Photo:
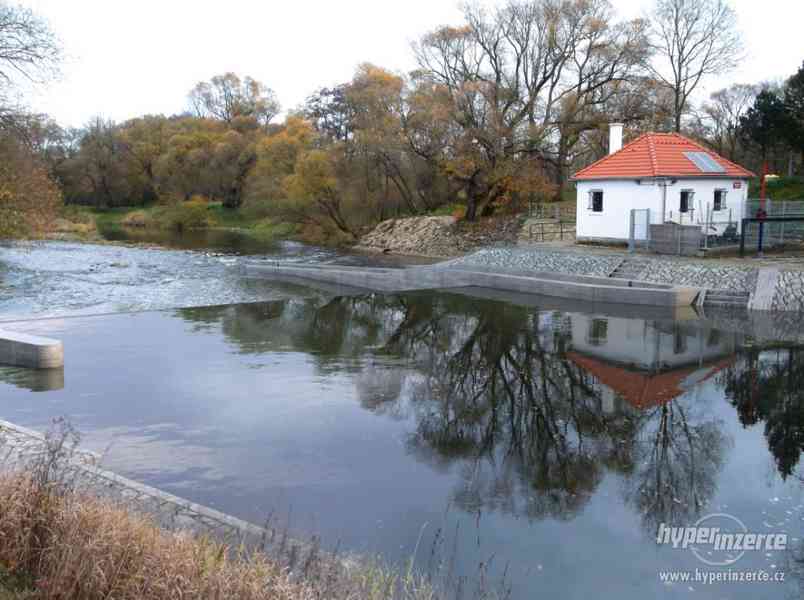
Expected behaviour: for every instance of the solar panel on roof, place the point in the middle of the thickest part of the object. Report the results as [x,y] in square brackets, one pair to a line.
[704,162]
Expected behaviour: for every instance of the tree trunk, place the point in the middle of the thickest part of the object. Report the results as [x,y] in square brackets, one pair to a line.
[677,105]
[471,208]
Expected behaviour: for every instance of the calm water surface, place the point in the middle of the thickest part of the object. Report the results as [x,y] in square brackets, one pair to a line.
[544,442]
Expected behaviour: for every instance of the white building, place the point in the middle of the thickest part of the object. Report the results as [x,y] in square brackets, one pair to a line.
[668,179]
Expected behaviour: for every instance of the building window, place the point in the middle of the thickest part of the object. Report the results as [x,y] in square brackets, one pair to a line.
[720,200]
[598,332]
[686,201]
[596,201]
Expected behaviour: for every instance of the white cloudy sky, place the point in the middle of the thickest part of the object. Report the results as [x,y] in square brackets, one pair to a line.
[127,58]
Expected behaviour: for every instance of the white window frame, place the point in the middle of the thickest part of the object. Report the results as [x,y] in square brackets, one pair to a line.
[590,206]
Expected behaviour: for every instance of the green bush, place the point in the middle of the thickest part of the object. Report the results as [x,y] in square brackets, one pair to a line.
[185,216]
[779,188]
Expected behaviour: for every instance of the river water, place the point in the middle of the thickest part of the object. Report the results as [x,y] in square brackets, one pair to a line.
[513,439]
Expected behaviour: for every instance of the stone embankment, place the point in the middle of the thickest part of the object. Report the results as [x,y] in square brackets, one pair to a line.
[540,261]
[447,238]
[779,289]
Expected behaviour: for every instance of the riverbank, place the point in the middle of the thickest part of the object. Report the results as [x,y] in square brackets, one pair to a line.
[71,529]
[79,223]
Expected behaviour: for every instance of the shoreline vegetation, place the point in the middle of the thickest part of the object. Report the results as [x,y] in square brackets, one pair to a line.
[441,233]
[61,538]
[81,223]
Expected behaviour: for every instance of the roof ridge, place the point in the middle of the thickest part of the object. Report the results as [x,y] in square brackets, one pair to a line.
[658,154]
[612,154]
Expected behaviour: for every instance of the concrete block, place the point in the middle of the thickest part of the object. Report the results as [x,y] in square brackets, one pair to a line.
[765,290]
[22,350]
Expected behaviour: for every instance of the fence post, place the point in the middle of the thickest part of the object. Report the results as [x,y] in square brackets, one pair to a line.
[648,245]
[631,243]
[781,225]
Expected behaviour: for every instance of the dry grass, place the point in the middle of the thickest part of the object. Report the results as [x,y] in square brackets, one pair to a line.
[61,543]
[77,546]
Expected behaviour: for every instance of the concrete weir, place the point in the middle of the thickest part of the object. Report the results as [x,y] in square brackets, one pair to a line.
[591,289]
[22,350]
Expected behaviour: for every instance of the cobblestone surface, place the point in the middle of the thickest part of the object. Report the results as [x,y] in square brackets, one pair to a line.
[699,275]
[541,260]
[578,262]
[789,291]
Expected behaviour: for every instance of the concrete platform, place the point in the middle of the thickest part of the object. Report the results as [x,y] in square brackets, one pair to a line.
[589,289]
[22,350]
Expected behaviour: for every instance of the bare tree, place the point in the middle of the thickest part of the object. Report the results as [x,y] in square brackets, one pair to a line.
[522,82]
[28,47]
[692,39]
[722,116]
[227,97]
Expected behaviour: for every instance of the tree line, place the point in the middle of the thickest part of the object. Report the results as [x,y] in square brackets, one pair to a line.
[501,109]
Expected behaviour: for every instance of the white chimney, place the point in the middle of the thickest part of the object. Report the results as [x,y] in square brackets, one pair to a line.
[615,137]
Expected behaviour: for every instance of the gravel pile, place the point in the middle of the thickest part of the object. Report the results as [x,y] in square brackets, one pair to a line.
[427,236]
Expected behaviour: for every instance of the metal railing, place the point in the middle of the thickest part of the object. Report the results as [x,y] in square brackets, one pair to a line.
[771,231]
[542,210]
[541,231]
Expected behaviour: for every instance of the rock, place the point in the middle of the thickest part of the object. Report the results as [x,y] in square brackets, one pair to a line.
[440,236]
[430,236]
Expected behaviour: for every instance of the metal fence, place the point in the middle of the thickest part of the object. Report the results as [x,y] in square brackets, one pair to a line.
[639,229]
[541,210]
[776,233]
[551,231]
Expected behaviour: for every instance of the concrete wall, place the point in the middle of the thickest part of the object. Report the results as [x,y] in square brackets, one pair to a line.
[591,289]
[672,238]
[21,350]
[622,195]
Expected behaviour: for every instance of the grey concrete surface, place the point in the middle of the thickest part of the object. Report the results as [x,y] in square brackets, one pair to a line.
[22,350]
[591,289]
[765,290]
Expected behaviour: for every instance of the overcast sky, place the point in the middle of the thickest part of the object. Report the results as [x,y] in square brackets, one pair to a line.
[128,58]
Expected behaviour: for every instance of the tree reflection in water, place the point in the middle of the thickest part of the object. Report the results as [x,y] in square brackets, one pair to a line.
[769,386]
[533,408]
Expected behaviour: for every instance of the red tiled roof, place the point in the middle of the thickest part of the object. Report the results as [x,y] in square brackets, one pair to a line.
[640,389]
[657,155]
